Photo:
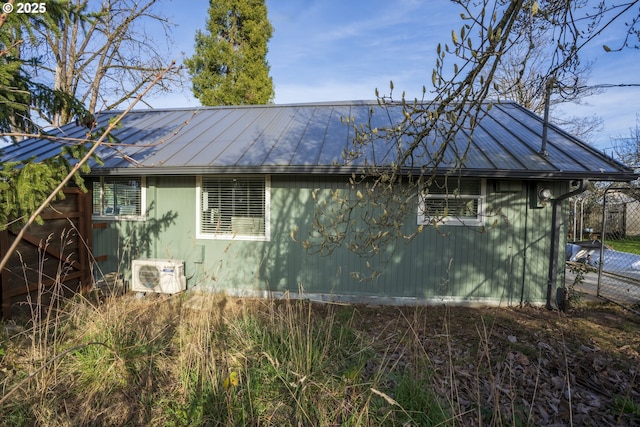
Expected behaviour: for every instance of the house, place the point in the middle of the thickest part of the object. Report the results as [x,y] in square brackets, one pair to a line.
[223,188]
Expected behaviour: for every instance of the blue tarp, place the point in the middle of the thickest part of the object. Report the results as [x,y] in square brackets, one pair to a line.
[617,262]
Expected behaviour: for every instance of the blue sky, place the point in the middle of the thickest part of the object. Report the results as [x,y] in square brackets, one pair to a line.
[331,50]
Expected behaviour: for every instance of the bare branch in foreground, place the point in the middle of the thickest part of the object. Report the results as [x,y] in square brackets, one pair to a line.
[77,167]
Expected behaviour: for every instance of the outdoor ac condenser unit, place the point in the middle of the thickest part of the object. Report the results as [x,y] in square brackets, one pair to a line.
[158,275]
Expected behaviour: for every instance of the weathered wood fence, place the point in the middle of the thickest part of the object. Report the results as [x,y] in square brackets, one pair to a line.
[52,260]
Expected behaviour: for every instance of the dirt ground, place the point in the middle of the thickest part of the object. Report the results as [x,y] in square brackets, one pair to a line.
[522,366]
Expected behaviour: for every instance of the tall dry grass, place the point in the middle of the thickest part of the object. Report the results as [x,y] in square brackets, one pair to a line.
[202,359]
[205,359]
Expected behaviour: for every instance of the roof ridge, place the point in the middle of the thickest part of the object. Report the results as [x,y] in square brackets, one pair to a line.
[289,105]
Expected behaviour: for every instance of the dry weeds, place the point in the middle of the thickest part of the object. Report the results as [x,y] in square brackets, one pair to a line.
[487,366]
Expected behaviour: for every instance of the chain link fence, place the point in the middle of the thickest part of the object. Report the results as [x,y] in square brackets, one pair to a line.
[605,245]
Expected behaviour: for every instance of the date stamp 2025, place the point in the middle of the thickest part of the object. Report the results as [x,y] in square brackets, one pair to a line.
[26,8]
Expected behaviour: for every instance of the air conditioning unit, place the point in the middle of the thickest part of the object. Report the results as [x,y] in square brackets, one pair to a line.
[158,275]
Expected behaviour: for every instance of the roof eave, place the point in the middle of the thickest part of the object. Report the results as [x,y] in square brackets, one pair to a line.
[621,176]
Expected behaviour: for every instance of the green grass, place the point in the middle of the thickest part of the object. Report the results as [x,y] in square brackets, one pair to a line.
[627,405]
[630,244]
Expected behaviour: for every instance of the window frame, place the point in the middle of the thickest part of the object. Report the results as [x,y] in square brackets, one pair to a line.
[142,200]
[206,235]
[476,221]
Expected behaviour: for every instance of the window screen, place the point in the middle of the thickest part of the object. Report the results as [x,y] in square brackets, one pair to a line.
[117,196]
[454,201]
[233,206]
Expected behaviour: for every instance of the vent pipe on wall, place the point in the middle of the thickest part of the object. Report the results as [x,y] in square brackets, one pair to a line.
[545,123]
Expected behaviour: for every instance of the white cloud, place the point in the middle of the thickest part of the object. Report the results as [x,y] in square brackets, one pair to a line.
[332,50]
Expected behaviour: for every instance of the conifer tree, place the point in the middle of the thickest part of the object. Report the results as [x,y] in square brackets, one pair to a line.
[21,97]
[24,184]
[229,66]
[26,103]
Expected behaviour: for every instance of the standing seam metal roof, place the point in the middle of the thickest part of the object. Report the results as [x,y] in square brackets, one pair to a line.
[310,138]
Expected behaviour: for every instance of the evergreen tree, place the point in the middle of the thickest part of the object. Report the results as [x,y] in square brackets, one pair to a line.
[25,184]
[229,66]
[24,101]
[13,92]
[74,36]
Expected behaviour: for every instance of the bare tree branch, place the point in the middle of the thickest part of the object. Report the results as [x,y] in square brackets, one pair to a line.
[424,150]
[103,57]
[76,168]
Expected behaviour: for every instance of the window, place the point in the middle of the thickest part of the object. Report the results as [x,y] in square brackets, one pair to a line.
[452,201]
[233,207]
[119,197]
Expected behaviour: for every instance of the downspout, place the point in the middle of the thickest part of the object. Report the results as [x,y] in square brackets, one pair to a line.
[556,220]
[582,218]
[526,242]
[575,219]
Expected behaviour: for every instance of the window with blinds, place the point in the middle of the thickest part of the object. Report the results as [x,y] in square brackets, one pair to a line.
[118,197]
[233,207]
[452,201]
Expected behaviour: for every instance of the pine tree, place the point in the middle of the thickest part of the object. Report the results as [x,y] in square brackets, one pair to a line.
[23,100]
[14,91]
[229,66]
[25,184]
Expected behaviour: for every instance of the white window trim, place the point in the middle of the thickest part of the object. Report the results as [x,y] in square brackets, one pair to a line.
[477,221]
[143,204]
[212,236]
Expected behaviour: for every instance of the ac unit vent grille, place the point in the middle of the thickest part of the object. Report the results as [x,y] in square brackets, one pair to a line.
[149,276]
[158,275]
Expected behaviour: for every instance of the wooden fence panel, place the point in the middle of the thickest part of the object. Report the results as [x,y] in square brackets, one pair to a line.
[52,260]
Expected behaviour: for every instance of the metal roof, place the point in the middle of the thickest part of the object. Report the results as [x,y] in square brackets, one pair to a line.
[310,138]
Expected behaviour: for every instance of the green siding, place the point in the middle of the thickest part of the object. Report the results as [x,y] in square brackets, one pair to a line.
[506,263]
